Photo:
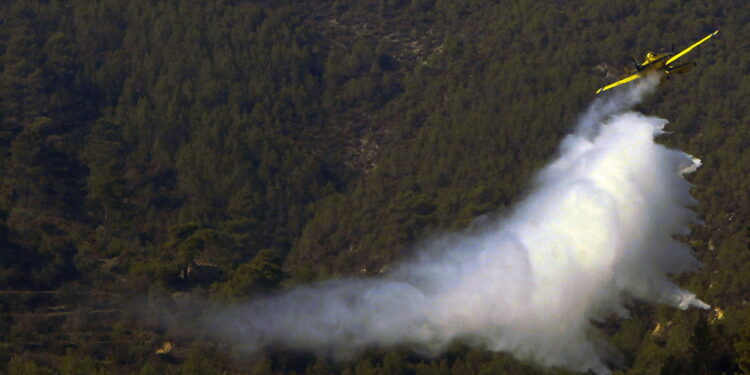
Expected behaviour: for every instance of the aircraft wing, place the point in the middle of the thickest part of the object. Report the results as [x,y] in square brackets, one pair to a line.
[620,82]
[686,50]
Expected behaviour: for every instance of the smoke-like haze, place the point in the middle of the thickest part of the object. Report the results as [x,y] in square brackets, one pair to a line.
[595,231]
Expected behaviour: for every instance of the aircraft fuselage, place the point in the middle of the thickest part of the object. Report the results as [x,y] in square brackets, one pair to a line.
[655,61]
[658,63]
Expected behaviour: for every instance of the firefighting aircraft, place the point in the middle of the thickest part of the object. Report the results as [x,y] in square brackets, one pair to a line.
[659,62]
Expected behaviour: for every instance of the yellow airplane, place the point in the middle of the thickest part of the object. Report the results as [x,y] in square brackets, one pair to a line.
[659,62]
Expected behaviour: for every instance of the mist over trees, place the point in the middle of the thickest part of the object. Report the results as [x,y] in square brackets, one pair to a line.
[174,151]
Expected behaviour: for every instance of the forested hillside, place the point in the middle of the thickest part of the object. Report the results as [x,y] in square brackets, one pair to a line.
[155,154]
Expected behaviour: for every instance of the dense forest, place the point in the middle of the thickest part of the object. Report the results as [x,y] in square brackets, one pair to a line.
[155,154]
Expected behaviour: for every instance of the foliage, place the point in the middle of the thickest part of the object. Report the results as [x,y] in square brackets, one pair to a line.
[223,149]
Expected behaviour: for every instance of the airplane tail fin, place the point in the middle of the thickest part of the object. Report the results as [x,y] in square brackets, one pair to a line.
[680,68]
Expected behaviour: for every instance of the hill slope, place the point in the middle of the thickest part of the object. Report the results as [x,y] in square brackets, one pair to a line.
[225,148]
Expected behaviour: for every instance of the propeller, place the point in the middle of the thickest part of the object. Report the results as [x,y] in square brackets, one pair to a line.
[637,67]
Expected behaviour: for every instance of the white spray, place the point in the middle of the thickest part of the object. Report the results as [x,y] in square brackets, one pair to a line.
[595,231]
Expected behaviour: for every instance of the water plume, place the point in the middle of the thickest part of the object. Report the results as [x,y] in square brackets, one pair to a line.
[595,231]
